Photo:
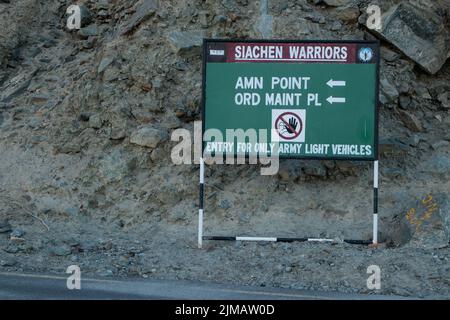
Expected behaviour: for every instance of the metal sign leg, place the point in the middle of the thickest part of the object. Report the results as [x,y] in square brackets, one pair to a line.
[375,202]
[233,238]
[200,211]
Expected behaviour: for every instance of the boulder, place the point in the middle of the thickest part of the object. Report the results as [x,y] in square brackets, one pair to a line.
[88,31]
[61,250]
[417,30]
[428,220]
[186,42]
[85,15]
[444,99]
[410,121]
[147,137]
[106,61]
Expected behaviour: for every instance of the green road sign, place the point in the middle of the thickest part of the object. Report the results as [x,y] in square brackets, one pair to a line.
[297,99]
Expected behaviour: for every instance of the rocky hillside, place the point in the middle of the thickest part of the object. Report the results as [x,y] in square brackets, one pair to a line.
[86,176]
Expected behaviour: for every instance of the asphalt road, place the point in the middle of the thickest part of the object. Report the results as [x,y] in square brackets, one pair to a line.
[44,287]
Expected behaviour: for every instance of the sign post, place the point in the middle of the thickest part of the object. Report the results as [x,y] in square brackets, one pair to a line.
[302,99]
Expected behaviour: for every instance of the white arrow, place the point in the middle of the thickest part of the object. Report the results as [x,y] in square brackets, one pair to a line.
[335,83]
[332,100]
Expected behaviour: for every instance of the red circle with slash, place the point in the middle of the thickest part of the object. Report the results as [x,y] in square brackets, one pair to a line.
[280,120]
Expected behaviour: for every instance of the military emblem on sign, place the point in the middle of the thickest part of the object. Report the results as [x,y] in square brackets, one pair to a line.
[365,54]
[288,125]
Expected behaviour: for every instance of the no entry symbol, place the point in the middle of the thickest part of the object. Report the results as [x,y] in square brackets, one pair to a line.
[288,125]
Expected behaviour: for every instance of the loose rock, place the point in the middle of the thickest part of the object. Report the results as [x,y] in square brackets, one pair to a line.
[106,61]
[419,32]
[410,121]
[428,221]
[444,98]
[88,31]
[148,137]
[62,250]
[187,42]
